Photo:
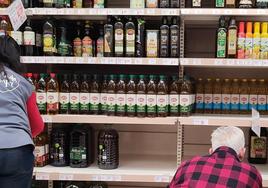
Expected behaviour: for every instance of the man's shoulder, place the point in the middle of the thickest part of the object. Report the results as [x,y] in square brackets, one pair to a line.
[195,160]
[249,167]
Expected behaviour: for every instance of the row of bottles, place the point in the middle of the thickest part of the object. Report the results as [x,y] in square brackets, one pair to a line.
[232,3]
[75,147]
[67,184]
[231,96]
[154,3]
[242,42]
[132,95]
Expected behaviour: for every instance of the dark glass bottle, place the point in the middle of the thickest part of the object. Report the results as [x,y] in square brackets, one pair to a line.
[246,4]
[65,95]
[18,37]
[131,98]
[111,96]
[38,41]
[84,95]
[59,147]
[258,147]
[141,97]
[162,97]
[119,38]
[174,38]
[74,95]
[174,3]
[87,42]
[108,149]
[49,41]
[121,96]
[151,97]
[109,38]
[88,3]
[261,4]
[81,147]
[28,39]
[130,34]
[100,44]
[41,95]
[164,38]
[95,95]
[63,46]
[164,3]
[185,99]
[232,39]
[140,38]
[174,98]
[103,95]
[77,42]
[52,95]
[221,39]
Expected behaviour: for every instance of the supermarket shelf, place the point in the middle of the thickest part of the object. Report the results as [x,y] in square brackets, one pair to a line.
[101,119]
[223,63]
[101,12]
[222,120]
[133,168]
[2,11]
[100,60]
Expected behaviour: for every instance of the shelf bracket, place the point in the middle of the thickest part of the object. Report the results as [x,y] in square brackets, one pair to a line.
[50,184]
[180,140]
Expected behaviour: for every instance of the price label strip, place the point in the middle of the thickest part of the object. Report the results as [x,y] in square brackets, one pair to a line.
[16,14]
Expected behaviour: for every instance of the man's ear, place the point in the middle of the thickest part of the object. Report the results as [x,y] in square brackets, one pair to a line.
[210,151]
[241,154]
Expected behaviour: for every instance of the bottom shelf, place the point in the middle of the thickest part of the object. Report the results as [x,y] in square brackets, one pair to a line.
[133,168]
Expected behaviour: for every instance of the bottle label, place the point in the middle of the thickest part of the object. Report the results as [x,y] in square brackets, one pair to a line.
[264,48]
[249,48]
[84,101]
[29,38]
[78,153]
[226,101]
[262,102]
[98,3]
[175,3]
[164,43]
[103,97]
[244,101]
[196,3]
[258,147]
[174,100]
[253,101]
[41,100]
[38,40]
[119,41]
[152,44]
[241,47]
[63,49]
[256,48]
[131,102]
[220,3]
[151,3]
[235,102]
[95,101]
[77,3]
[100,47]
[52,100]
[47,1]
[87,49]
[108,41]
[232,35]
[162,103]
[217,101]
[208,100]
[39,152]
[221,44]
[77,47]
[185,103]
[137,3]
[121,102]
[199,98]
[130,42]
[141,103]
[151,103]
[17,36]
[74,101]
[64,101]
[174,42]
[111,102]
[48,42]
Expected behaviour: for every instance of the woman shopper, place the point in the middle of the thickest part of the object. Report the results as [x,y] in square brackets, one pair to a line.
[20,119]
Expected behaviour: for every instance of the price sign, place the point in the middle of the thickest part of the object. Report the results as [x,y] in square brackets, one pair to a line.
[106,178]
[66,177]
[16,13]
[42,176]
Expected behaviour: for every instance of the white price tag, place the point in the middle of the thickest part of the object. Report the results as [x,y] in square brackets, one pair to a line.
[106,178]
[152,61]
[51,11]
[228,12]
[60,11]
[173,62]
[218,62]
[261,12]
[42,176]
[60,60]
[150,11]
[231,62]
[115,11]
[165,179]
[127,12]
[138,61]
[69,11]
[47,119]
[200,121]
[216,12]
[120,61]
[184,61]
[40,60]
[66,177]
[197,11]
[91,60]
[102,11]
[79,60]
[264,62]
[16,14]
[255,122]
[197,62]
[50,60]
[243,11]
[140,12]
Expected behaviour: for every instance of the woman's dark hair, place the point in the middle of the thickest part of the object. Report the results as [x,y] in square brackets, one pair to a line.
[10,55]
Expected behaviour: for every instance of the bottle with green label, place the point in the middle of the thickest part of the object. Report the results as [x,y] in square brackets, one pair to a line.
[174,97]
[41,95]
[219,3]
[162,97]
[121,96]
[49,40]
[131,98]
[64,46]
[141,97]
[103,95]
[84,95]
[221,39]
[111,96]
[95,95]
[65,95]
[151,97]
[185,99]
[74,95]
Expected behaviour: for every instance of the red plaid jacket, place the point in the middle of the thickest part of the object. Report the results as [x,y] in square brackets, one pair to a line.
[219,170]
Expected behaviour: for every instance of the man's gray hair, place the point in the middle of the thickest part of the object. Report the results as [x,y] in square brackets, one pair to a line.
[230,136]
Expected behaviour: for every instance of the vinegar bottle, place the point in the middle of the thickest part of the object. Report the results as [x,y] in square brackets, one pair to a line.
[52,95]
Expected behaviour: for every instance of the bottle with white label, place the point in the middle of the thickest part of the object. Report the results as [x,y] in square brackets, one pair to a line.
[262,97]
[199,98]
[208,102]
[84,95]
[151,97]
[141,97]
[121,96]
[253,95]
[185,98]
[28,39]
[174,97]
[111,96]
[131,98]
[103,95]
[65,95]
[74,95]
[52,95]
[244,97]
[95,95]
[235,96]
[119,38]
[162,97]
[216,97]
[41,95]
[226,96]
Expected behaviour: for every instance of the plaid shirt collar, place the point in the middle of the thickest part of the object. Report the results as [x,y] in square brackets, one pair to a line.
[224,152]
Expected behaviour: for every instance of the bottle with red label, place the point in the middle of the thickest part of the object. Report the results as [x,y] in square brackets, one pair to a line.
[65,95]
[40,150]
[151,97]
[95,95]
[162,97]
[185,98]
[131,97]
[41,95]
[87,42]
[52,95]
[174,97]
[74,95]
[253,94]
[262,97]
[244,97]
[84,96]
[217,96]
[111,96]
[121,96]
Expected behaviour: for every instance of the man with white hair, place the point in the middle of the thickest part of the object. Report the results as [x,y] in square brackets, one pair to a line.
[222,167]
